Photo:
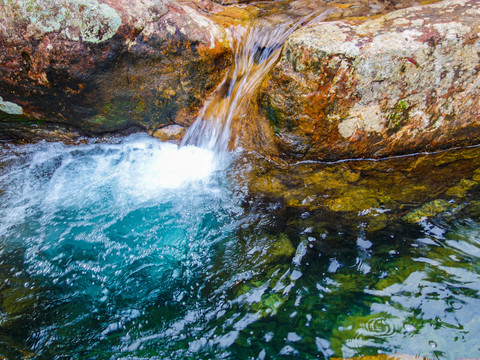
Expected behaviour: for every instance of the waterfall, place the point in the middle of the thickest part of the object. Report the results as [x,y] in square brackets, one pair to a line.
[256,49]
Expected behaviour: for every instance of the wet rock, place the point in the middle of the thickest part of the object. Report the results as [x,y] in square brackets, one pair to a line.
[172,133]
[280,247]
[102,65]
[29,131]
[371,194]
[404,82]
[439,206]
[25,131]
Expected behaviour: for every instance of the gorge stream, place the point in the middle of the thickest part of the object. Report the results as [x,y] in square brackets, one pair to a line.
[136,249]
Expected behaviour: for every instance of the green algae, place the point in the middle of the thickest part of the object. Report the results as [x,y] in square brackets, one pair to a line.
[110,116]
[281,247]
[430,209]
[274,116]
[378,192]
[461,189]
[399,115]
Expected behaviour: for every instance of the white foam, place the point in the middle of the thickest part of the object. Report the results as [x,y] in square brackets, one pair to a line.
[138,169]
[166,166]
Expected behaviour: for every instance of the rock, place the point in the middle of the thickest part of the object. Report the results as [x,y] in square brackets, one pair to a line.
[104,65]
[371,194]
[172,133]
[401,83]
[281,247]
[429,209]
[20,132]
[23,132]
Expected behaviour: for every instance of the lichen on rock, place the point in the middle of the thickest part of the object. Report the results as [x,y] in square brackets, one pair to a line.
[86,20]
[404,82]
[104,65]
[10,107]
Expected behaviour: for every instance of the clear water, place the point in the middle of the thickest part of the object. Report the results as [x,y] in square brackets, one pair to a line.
[99,240]
[138,249]
[115,251]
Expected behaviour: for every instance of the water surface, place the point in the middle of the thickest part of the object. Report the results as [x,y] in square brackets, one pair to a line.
[141,250]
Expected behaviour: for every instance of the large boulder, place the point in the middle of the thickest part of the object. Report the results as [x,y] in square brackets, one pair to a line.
[404,82]
[106,65]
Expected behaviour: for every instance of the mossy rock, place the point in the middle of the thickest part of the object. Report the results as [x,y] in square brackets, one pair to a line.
[460,190]
[272,249]
[430,209]
[281,247]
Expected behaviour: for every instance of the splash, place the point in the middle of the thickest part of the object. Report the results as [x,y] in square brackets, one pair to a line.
[256,49]
[136,170]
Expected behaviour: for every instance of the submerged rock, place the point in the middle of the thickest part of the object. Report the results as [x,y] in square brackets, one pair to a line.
[404,82]
[102,65]
[372,194]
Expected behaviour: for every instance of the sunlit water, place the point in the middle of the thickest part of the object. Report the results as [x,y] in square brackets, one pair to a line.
[114,251]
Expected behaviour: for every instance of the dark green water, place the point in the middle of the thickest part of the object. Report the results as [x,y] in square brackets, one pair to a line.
[139,250]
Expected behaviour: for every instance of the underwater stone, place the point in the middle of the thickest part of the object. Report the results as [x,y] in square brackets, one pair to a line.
[281,247]
[372,194]
[430,209]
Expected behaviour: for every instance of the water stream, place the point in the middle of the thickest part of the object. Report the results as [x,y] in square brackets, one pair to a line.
[256,49]
[137,249]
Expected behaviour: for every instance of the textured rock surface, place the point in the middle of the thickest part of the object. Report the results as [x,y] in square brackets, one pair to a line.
[105,65]
[404,82]
[372,194]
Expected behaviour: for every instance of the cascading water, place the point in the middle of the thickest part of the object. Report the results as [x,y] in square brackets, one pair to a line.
[256,49]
